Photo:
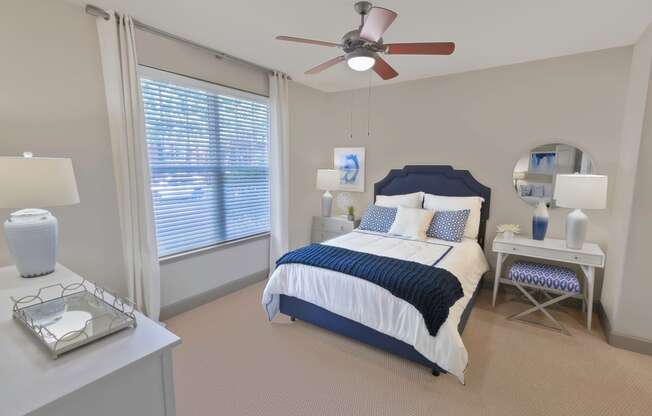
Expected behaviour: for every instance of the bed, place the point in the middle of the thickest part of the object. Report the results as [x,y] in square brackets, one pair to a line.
[314,295]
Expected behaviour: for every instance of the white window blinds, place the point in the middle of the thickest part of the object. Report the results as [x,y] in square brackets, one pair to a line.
[209,161]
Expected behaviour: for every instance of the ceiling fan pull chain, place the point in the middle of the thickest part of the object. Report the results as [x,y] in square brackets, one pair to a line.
[351,115]
[369,108]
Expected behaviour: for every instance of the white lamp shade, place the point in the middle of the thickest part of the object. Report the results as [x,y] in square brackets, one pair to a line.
[581,191]
[37,182]
[328,179]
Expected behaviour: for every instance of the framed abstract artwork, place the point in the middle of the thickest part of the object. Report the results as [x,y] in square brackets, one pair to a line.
[544,163]
[349,162]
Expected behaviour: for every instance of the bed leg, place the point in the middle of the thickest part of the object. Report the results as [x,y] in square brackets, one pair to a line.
[292,318]
[435,372]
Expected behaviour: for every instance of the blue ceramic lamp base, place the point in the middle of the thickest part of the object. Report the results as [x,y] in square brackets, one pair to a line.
[539,228]
[540,221]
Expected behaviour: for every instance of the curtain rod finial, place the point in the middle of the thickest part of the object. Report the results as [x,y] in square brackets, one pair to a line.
[97,12]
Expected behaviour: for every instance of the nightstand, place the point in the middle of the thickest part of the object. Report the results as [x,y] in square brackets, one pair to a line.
[325,228]
[588,258]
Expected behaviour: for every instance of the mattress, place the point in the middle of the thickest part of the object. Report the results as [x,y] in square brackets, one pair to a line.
[377,308]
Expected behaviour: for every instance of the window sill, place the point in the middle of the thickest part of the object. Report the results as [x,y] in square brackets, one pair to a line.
[215,247]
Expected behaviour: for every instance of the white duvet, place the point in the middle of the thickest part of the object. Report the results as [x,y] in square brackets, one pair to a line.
[377,308]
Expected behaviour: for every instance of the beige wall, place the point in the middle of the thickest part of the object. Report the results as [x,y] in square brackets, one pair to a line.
[625,184]
[629,296]
[311,117]
[52,103]
[171,55]
[483,121]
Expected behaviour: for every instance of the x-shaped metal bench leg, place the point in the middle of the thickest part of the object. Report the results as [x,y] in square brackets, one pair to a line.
[541,307]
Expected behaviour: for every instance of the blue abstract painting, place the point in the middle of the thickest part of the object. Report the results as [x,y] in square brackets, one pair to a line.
[349,161]
[543,163]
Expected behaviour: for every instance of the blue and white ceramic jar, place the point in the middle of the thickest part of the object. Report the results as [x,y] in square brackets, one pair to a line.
[540,221]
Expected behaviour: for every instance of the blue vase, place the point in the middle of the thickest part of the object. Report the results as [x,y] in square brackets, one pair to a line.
[540,221]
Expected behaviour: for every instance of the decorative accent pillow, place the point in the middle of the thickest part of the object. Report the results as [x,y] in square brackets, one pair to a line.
[456,203]
[448,225]
[413,200]
[411,222]
[377,219]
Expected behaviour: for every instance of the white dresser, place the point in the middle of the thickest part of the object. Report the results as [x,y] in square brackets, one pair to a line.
[325,228]
[127,373]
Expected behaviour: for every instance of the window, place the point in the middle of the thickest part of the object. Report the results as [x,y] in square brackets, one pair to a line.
[209,161]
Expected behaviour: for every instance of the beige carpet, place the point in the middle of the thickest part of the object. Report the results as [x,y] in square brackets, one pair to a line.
[233,362]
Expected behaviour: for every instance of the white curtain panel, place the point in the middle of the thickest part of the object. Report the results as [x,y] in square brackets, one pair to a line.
[130,163]
[279,167]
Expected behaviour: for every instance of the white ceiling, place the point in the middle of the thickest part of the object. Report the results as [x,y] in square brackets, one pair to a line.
[487,33]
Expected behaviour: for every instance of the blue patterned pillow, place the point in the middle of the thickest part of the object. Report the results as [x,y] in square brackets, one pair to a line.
[448,225]
[377,219]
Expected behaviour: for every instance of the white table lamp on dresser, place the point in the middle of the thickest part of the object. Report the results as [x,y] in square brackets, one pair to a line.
[327,180]
[32,233]
[579,191]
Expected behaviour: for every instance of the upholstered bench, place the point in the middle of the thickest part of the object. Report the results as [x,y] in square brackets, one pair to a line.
[548,278]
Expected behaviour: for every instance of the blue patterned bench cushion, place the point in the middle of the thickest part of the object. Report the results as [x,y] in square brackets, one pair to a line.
[545,276]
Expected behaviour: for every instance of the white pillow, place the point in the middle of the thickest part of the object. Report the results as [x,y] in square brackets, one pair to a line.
[412,222]
[456,203]
[406,200]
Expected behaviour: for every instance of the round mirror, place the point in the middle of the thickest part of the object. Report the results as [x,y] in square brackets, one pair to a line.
[534,174]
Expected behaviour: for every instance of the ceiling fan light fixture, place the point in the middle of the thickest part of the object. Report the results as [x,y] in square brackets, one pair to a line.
[361,60]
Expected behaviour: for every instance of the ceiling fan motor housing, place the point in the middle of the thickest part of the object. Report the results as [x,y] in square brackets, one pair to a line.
[352,41]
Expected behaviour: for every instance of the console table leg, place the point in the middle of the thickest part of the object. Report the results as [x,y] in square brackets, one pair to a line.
[499,269]
[589,271]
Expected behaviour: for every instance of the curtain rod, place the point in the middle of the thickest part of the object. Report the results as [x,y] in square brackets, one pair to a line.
[99,12]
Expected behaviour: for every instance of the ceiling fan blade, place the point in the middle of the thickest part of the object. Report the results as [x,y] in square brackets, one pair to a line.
[325,65]
[382,68]
[377,23]
[309,41]
[425,48]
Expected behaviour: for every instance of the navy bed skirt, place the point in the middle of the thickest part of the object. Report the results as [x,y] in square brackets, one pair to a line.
[318,316]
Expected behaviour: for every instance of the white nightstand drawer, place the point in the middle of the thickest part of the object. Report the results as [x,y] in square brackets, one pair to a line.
[319,236]
[544,253]
[333,224]
[325,228]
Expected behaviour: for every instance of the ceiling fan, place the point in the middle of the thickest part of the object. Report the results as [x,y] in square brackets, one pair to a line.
[363,45]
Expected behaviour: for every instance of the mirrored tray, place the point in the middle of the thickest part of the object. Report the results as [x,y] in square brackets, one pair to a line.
[63,318]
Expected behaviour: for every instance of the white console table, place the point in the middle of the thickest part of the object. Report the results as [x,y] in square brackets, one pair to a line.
[588,258]
[127,373]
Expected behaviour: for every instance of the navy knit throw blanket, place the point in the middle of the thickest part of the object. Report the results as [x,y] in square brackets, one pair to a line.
[431,290]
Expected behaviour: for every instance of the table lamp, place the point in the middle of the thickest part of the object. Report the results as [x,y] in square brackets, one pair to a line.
[32,233]
[579,191]
[327,180]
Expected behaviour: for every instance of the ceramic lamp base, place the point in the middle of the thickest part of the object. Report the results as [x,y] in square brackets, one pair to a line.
[32,241]
[326,204]
[576,225]
[540,222]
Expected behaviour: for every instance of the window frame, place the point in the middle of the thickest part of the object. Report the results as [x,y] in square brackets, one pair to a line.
[156,74]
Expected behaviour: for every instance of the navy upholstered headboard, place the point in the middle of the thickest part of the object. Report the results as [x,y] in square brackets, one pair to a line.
[437,180]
